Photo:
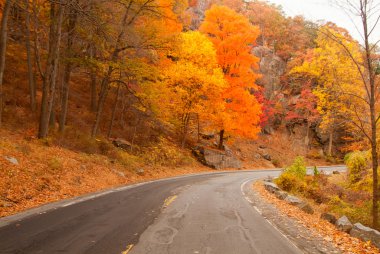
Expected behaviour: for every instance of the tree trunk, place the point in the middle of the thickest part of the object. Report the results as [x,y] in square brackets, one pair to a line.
[3,47]
[65,96]
[198,129]
[49,84]
[31,74]
[68,68]
[329,151]
[93,104]
[114,111]
[373,115]
[307,138]
[106,80]
[185,122]
[94,96]
[221,140]
[52,118]
[102,100]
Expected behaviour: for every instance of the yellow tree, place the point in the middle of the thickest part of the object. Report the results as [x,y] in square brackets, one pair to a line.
[339,89]
[233,37]
[191,85]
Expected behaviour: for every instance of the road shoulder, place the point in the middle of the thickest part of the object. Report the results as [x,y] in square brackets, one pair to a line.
[304,238]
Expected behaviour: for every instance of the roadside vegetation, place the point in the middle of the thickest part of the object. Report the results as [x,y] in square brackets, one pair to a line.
[341,194]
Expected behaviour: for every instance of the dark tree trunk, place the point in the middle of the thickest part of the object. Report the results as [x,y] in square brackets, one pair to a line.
[102,99]
[94,96]
[185,126]
[49,84]
[198,129]
[31,74]
[68,68]
[221,140]
[114,111]
[3,47]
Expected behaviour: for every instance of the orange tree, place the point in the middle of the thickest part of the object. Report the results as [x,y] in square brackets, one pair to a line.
[233,37]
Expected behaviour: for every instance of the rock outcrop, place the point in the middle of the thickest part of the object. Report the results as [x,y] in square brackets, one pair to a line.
[272,67]
[215,158]
[366,234]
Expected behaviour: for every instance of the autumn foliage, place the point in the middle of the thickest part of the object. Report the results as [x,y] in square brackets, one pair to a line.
[234,37]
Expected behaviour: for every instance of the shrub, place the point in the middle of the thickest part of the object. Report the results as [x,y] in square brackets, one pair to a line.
[355,212]
[292,179]
[357,164]
[298,168]
[290,182]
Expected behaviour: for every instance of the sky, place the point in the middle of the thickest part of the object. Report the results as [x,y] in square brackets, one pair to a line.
[315,10]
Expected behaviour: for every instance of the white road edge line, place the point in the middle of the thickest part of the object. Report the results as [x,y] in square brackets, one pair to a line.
[258,210]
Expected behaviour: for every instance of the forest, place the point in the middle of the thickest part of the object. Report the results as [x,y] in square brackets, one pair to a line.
[162,74]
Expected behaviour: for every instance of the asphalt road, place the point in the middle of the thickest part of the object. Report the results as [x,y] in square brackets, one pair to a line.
[206,213]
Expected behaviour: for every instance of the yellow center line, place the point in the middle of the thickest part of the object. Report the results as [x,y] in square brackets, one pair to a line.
[169,200]
[129,247]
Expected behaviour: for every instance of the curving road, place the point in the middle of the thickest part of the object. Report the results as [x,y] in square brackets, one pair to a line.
[206,213]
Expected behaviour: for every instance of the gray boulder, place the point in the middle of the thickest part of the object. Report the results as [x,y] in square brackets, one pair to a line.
[282,195]
[366,234]
[271,187]
[293,200]
[344,224]
[329,217]
[215,158]
[306,208]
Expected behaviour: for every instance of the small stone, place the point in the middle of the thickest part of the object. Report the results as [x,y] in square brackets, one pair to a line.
[268,179]
[329,217]
[344,224]
[12,160]
[267,157]
[140,171]
[281,195]
[118,172]
[293,200]
[271,187]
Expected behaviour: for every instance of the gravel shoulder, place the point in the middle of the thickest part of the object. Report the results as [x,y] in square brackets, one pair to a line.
[301,236]
[308,232]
